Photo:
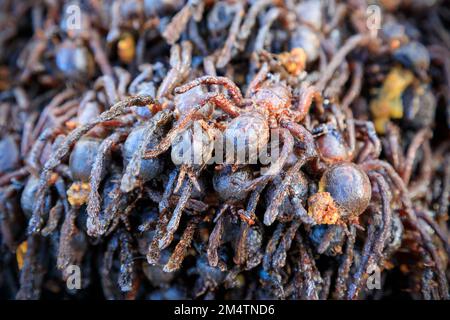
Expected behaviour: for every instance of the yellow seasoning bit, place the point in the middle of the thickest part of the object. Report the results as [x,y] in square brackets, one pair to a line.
[20,254]
[126,48]
[388,103]
[323,209]
[78,193]
[293,61]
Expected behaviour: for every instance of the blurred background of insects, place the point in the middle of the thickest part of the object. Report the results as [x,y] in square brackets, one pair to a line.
[98,99]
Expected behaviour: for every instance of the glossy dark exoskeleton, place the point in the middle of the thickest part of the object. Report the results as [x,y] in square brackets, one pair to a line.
[28,195]
[230,185]
[331,147]
[349,187]
[82,158]
[149,168]
[245,137]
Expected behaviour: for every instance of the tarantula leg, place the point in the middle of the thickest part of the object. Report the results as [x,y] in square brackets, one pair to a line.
[180,62]
[288,146]
[279,257]
[123,80]
[56,101]
[32,160]
[412,217]
[113,212]
[302,134]
[272,246]
[308,276]
[215,239]
[124,217]
[66,255]
[344,268]
[225,54]
[53,219]
[131,175]
[180,251]
[339,56]
[257,80]
[438,264]
[33,270]
[18,174]
[232,89]
[249,215]
[437,229]
[418,140]
[192,175]
[168,190]
[97,172]
[181,176]
[280,193]
[419,187]
[372,134]
[301,213]
[306,97]
[178,24]
[174,221]
[154,252]
[374,247]
[99,54]
[63,150]
[393,145]
[106,83]
[269,18]
[107,263]
[178,128]
[355,87]
[250,20]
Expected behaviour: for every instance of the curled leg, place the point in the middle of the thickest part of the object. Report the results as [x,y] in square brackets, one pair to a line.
[231,87]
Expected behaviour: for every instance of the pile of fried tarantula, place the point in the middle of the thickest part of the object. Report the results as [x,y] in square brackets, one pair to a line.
[100,101]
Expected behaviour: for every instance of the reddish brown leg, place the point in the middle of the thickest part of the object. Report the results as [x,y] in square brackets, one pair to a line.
[234,91]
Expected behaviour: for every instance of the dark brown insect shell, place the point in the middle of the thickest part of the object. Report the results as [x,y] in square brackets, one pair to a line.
[332,147]
[230,184]
[349,186]
[82,158]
